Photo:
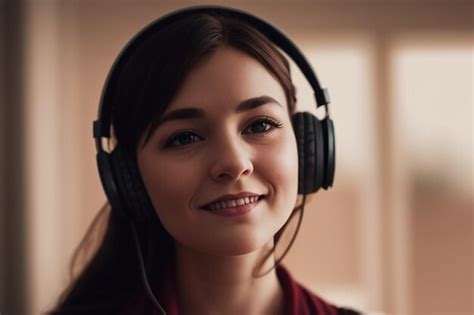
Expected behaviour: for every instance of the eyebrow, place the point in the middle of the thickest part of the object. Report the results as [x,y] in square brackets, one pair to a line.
[192,112]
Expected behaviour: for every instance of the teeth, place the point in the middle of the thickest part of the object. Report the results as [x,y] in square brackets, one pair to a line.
[232,203]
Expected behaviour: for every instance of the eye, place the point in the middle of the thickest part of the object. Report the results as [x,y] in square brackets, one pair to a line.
[263,125]
[182,139]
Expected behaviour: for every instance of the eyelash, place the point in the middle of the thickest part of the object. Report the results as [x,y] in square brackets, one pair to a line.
[271,122]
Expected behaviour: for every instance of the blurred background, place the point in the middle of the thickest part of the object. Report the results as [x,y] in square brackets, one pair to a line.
[394,235]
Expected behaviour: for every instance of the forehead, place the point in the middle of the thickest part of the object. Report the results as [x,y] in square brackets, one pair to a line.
[224,80]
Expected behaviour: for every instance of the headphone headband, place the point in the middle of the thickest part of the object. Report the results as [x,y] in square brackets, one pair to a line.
[102,125]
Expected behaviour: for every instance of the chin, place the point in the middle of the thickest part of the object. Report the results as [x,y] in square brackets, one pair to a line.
[237,247]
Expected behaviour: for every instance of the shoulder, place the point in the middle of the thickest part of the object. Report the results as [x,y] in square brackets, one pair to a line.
[300,300]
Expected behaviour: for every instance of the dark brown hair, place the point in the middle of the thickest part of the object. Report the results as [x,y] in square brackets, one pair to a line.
[146,84]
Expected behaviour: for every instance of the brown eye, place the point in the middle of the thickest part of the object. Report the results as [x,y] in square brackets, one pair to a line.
[182,139]
[263,125]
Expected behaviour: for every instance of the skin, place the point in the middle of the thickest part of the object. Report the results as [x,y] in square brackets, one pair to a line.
[226,153]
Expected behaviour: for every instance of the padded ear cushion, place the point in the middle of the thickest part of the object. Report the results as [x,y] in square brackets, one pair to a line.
[314,142]
[309,153]
[308,134]
[298,128]
[134,197]
[108,181]
[330,151]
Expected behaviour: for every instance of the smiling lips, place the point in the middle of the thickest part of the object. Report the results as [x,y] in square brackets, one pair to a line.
[223,204]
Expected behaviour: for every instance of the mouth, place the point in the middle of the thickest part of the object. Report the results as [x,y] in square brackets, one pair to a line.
[233,203]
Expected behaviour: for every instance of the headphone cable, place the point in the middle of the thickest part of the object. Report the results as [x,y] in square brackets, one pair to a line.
[150,294]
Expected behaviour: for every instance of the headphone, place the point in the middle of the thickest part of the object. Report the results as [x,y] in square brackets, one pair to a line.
[119,172]
[315,138]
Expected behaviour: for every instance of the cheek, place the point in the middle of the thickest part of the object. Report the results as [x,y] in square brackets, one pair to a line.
[279,166]
[285,164]
[170,185]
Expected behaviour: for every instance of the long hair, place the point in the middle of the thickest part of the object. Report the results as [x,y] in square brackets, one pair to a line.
[104,269]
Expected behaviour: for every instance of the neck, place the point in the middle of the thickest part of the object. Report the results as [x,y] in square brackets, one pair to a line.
[227,284]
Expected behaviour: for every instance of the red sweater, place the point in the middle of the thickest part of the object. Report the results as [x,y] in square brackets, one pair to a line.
[298,299]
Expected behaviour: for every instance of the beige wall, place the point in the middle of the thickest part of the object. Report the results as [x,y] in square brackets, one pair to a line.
[395,233]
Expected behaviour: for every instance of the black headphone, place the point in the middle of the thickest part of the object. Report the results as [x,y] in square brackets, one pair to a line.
[119,172]
[315,138]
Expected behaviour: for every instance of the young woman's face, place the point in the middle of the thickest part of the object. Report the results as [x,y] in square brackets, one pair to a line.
[198,155]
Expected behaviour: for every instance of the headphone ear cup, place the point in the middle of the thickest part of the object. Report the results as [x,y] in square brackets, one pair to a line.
[135,201]
[329,137]
[317,144]
[298,128]
[106,174]
[309,138]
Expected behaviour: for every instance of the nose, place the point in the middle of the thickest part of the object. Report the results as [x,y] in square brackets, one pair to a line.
[230,161]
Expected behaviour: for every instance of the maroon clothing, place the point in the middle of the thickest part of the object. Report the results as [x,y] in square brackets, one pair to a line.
[298,299]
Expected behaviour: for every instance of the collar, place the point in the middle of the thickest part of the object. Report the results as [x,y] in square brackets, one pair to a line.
[298,299]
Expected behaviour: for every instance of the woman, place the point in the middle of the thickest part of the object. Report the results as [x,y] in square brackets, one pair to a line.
[204,110]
